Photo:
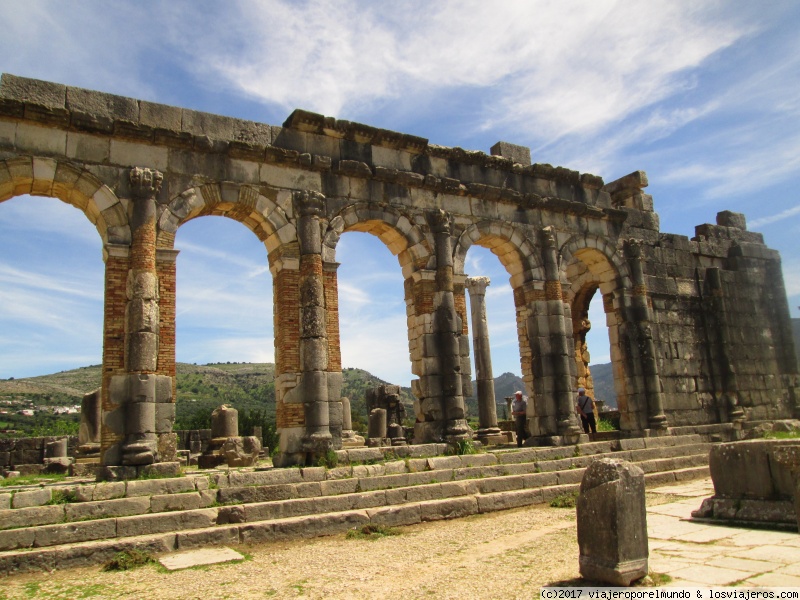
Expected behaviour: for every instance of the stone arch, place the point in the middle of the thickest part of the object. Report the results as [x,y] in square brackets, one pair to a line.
[511,244]
[589,264]
[401,235]
[241,202]
[50,177]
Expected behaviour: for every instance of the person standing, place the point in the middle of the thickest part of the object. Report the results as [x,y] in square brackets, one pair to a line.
[585,407]
[519,410]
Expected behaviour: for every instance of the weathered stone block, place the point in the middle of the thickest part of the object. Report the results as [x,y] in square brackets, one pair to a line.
[452,508]
[122,507]
[163,522]
[612,523]
[29,517]
[25,499]
[71,533]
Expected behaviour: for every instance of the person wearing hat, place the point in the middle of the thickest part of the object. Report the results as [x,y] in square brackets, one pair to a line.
[585,408]
[519,410]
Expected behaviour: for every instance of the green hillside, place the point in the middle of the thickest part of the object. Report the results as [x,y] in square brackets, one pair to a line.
[249,387]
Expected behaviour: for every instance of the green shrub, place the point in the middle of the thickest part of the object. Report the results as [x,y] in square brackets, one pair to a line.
[567,500]
[129,559]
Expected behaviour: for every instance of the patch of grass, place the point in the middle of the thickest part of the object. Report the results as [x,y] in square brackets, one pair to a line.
[565,500]
[329,460]
[462,447]
[371,532]
[129,559]
[61,497]
[781,435]
[32,479]
[606,425]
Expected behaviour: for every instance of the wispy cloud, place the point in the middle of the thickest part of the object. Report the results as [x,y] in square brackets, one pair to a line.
[769,220]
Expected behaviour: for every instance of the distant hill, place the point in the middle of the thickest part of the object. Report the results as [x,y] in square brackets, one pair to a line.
[603,378]
[201,388]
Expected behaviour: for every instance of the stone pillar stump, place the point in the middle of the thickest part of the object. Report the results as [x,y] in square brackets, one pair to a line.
[612,523]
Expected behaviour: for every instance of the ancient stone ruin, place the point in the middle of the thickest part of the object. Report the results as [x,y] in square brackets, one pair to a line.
[699,328]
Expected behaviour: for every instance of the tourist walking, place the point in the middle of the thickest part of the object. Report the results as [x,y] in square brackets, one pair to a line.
[519,410]
[585,408]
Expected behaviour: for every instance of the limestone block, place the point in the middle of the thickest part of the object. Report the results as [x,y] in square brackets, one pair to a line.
[121,507]
[502,484]
[203,538]
[8,133]
[40,140]
[38,497]
[127,153]
[612,523]
[314,356]
[72,533]
[169,502]
[159,116]
[395,516]
[252,494]
[16,538]
[539,480]
[164,522]
[451,508]
[445,462]
[109,490]
[268,477]
[286,177]
[510,499]
[225,422]
[158,486]
[748,469]
[140,417]
[89,148]
[241,451]
[5,501]
[165,417]
[142,315]
[32,516]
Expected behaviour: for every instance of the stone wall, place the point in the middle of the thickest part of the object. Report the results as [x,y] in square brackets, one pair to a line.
[682,350]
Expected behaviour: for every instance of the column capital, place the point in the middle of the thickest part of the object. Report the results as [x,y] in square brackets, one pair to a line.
[477,285]
[308,203]
[633,248]
[548,236]
[439,221]
[145,183]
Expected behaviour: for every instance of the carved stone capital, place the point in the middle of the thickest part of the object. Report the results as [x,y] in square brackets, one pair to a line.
[633,248]
[548,236]
[308,203]
[477,285]
[439,221]
[145,183]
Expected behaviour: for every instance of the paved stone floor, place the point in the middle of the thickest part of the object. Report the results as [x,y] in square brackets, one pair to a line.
[707,555]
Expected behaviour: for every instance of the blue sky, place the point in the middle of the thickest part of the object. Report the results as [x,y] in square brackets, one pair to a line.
[705,97]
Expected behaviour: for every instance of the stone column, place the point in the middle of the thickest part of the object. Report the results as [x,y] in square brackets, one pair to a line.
[447,328]
[141,320]
[487,406]
[641,316]
[313,330]
[560,354]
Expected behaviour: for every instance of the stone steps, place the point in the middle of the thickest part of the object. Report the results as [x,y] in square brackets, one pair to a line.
[251,506]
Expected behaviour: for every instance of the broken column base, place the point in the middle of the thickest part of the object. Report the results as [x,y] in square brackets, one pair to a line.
[350,439]
[619,574]
[125,472]
[492,438]
[233,451]
[778,514]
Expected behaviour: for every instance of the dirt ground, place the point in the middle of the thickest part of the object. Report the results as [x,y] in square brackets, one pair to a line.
[506,555]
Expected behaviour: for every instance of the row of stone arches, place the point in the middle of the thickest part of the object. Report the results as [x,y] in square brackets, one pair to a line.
[272,216]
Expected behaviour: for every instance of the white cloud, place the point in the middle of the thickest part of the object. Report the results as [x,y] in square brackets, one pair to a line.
[768,220]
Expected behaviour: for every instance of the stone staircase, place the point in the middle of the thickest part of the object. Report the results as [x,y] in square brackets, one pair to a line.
[72,524]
